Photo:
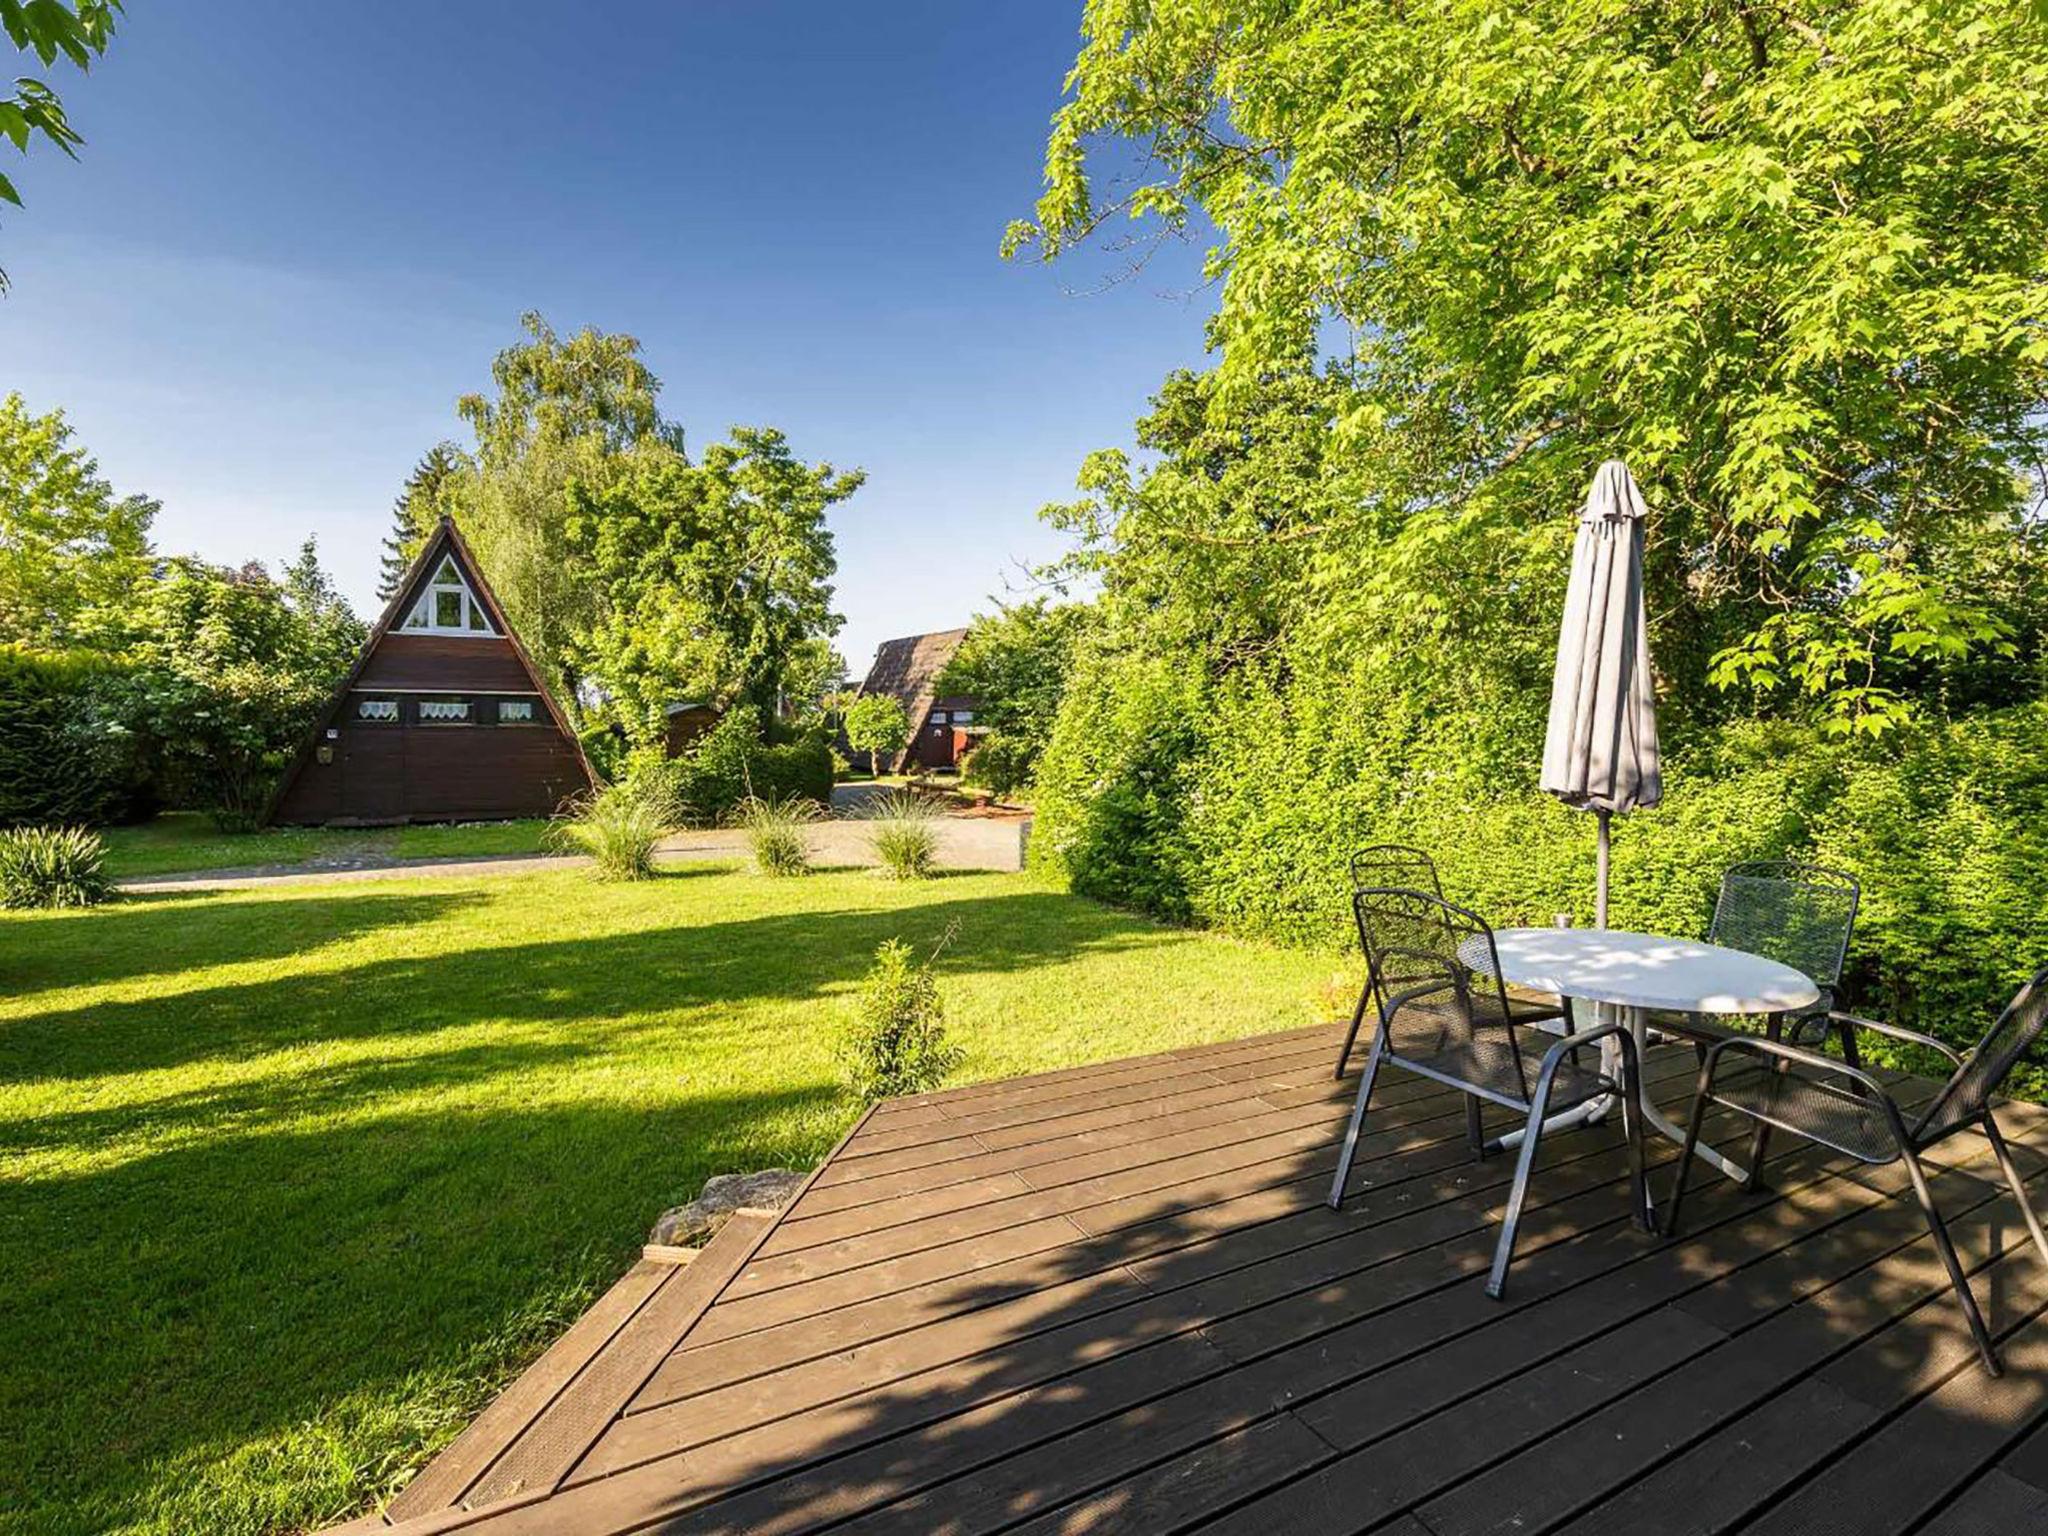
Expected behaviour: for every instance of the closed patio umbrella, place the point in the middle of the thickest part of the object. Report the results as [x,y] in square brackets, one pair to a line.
[1600,750]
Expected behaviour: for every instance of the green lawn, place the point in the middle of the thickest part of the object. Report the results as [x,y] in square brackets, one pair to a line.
[295,1178]
[186,840]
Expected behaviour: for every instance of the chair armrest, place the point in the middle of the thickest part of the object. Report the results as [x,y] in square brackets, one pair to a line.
[1757,1045]
[1895,1032]
[1579,1039]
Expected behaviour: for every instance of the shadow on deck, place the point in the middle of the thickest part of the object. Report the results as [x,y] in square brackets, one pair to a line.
[1113,1299]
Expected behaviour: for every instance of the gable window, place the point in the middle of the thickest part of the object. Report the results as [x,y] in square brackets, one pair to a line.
[444,711]
[384,711]
[515,711]
[447,606]
[938,717]
[963,717]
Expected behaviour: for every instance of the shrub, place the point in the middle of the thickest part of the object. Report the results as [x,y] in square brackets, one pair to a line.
[52,867]
[775,833]
[67,751]
[896,1042]
[905,834]
[731,762]
[618,827]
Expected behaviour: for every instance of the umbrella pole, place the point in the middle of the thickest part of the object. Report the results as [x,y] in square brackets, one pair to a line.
[1600,883]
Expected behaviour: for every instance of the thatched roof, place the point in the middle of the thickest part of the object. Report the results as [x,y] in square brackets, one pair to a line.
[907,670]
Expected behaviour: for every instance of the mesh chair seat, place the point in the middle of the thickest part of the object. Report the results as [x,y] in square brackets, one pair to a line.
[1438,1036]
[1829,1113]
[1837,1104]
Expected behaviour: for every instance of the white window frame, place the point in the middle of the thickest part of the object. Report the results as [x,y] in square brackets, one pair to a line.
[472,619]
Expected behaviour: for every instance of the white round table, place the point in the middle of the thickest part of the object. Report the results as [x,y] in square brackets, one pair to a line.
[1632,972]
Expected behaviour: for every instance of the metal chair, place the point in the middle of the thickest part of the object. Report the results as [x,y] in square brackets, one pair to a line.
[1396,866]
[1796,913]
[1842,1107]
[1445,1015]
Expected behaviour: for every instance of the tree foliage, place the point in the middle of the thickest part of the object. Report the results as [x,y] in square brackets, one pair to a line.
[710,579]
[70,549]
[414,514]
[636,574]
[875,724]
[230,669]
[1787,261]
[1791,263]
[1015,664]
[76,31]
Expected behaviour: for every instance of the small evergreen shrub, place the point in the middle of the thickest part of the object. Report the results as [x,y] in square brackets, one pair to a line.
[905,835]
[775,833]
[618,827]
[52,867]
[896,1043]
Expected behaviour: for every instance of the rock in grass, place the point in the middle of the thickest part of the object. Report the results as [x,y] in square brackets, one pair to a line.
[688,1226]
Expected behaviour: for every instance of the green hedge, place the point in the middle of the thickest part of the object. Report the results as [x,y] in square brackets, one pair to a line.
[716,773]
[67,753]
[1237,805]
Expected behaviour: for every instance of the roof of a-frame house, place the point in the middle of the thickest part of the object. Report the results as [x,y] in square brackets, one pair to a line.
[446,541]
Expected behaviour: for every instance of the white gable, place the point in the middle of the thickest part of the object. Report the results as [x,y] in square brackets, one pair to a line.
[446,606]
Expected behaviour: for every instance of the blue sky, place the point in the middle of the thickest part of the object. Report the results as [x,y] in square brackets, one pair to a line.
[297,233]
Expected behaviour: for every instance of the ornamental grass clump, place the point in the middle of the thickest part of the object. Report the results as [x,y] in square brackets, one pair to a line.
[905,835]
[619,827]
[775,832]
[53,867]
[896,1043]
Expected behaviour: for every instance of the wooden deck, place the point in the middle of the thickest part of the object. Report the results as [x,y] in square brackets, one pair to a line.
[1112,1299]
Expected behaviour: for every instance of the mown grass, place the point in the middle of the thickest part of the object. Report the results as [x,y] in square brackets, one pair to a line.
[295,1179]
[184,841]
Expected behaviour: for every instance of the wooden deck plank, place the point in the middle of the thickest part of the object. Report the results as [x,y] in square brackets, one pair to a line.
[1110,1298]
[444,1480]
[556,1440]
[1020,1342]
[897,1467]
[1257,1390]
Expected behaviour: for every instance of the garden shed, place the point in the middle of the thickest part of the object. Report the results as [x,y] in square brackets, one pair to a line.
[443,717]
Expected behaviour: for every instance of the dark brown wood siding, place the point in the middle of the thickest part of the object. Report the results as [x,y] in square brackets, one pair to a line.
[434,773]
[454,662]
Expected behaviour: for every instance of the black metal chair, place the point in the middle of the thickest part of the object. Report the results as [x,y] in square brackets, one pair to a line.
[1842,1107]
[1396,866]
[1796,913]
[1445,1015]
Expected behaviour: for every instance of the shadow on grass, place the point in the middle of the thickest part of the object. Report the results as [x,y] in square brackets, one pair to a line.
[230,1296]
[609,977]
[162,935]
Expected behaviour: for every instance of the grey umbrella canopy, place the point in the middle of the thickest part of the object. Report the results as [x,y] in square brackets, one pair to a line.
[1600,751]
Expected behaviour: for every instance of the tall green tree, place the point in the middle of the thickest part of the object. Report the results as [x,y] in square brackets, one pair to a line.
[76,31]
[71,551]
[415,512]
[713,578]
[1790,261]
[576,410]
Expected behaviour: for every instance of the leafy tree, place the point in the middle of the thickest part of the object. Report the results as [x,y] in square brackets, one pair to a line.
[580,410]
[414,514]
[70,550]
[77,30]
[1015,665]
[875,724]
[231,669]
[1790,262]
[711,579]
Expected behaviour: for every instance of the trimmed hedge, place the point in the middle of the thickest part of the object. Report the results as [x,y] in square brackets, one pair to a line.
[1237,805]
[67,752]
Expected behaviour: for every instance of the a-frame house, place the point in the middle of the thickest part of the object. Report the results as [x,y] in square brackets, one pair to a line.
[443,717]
